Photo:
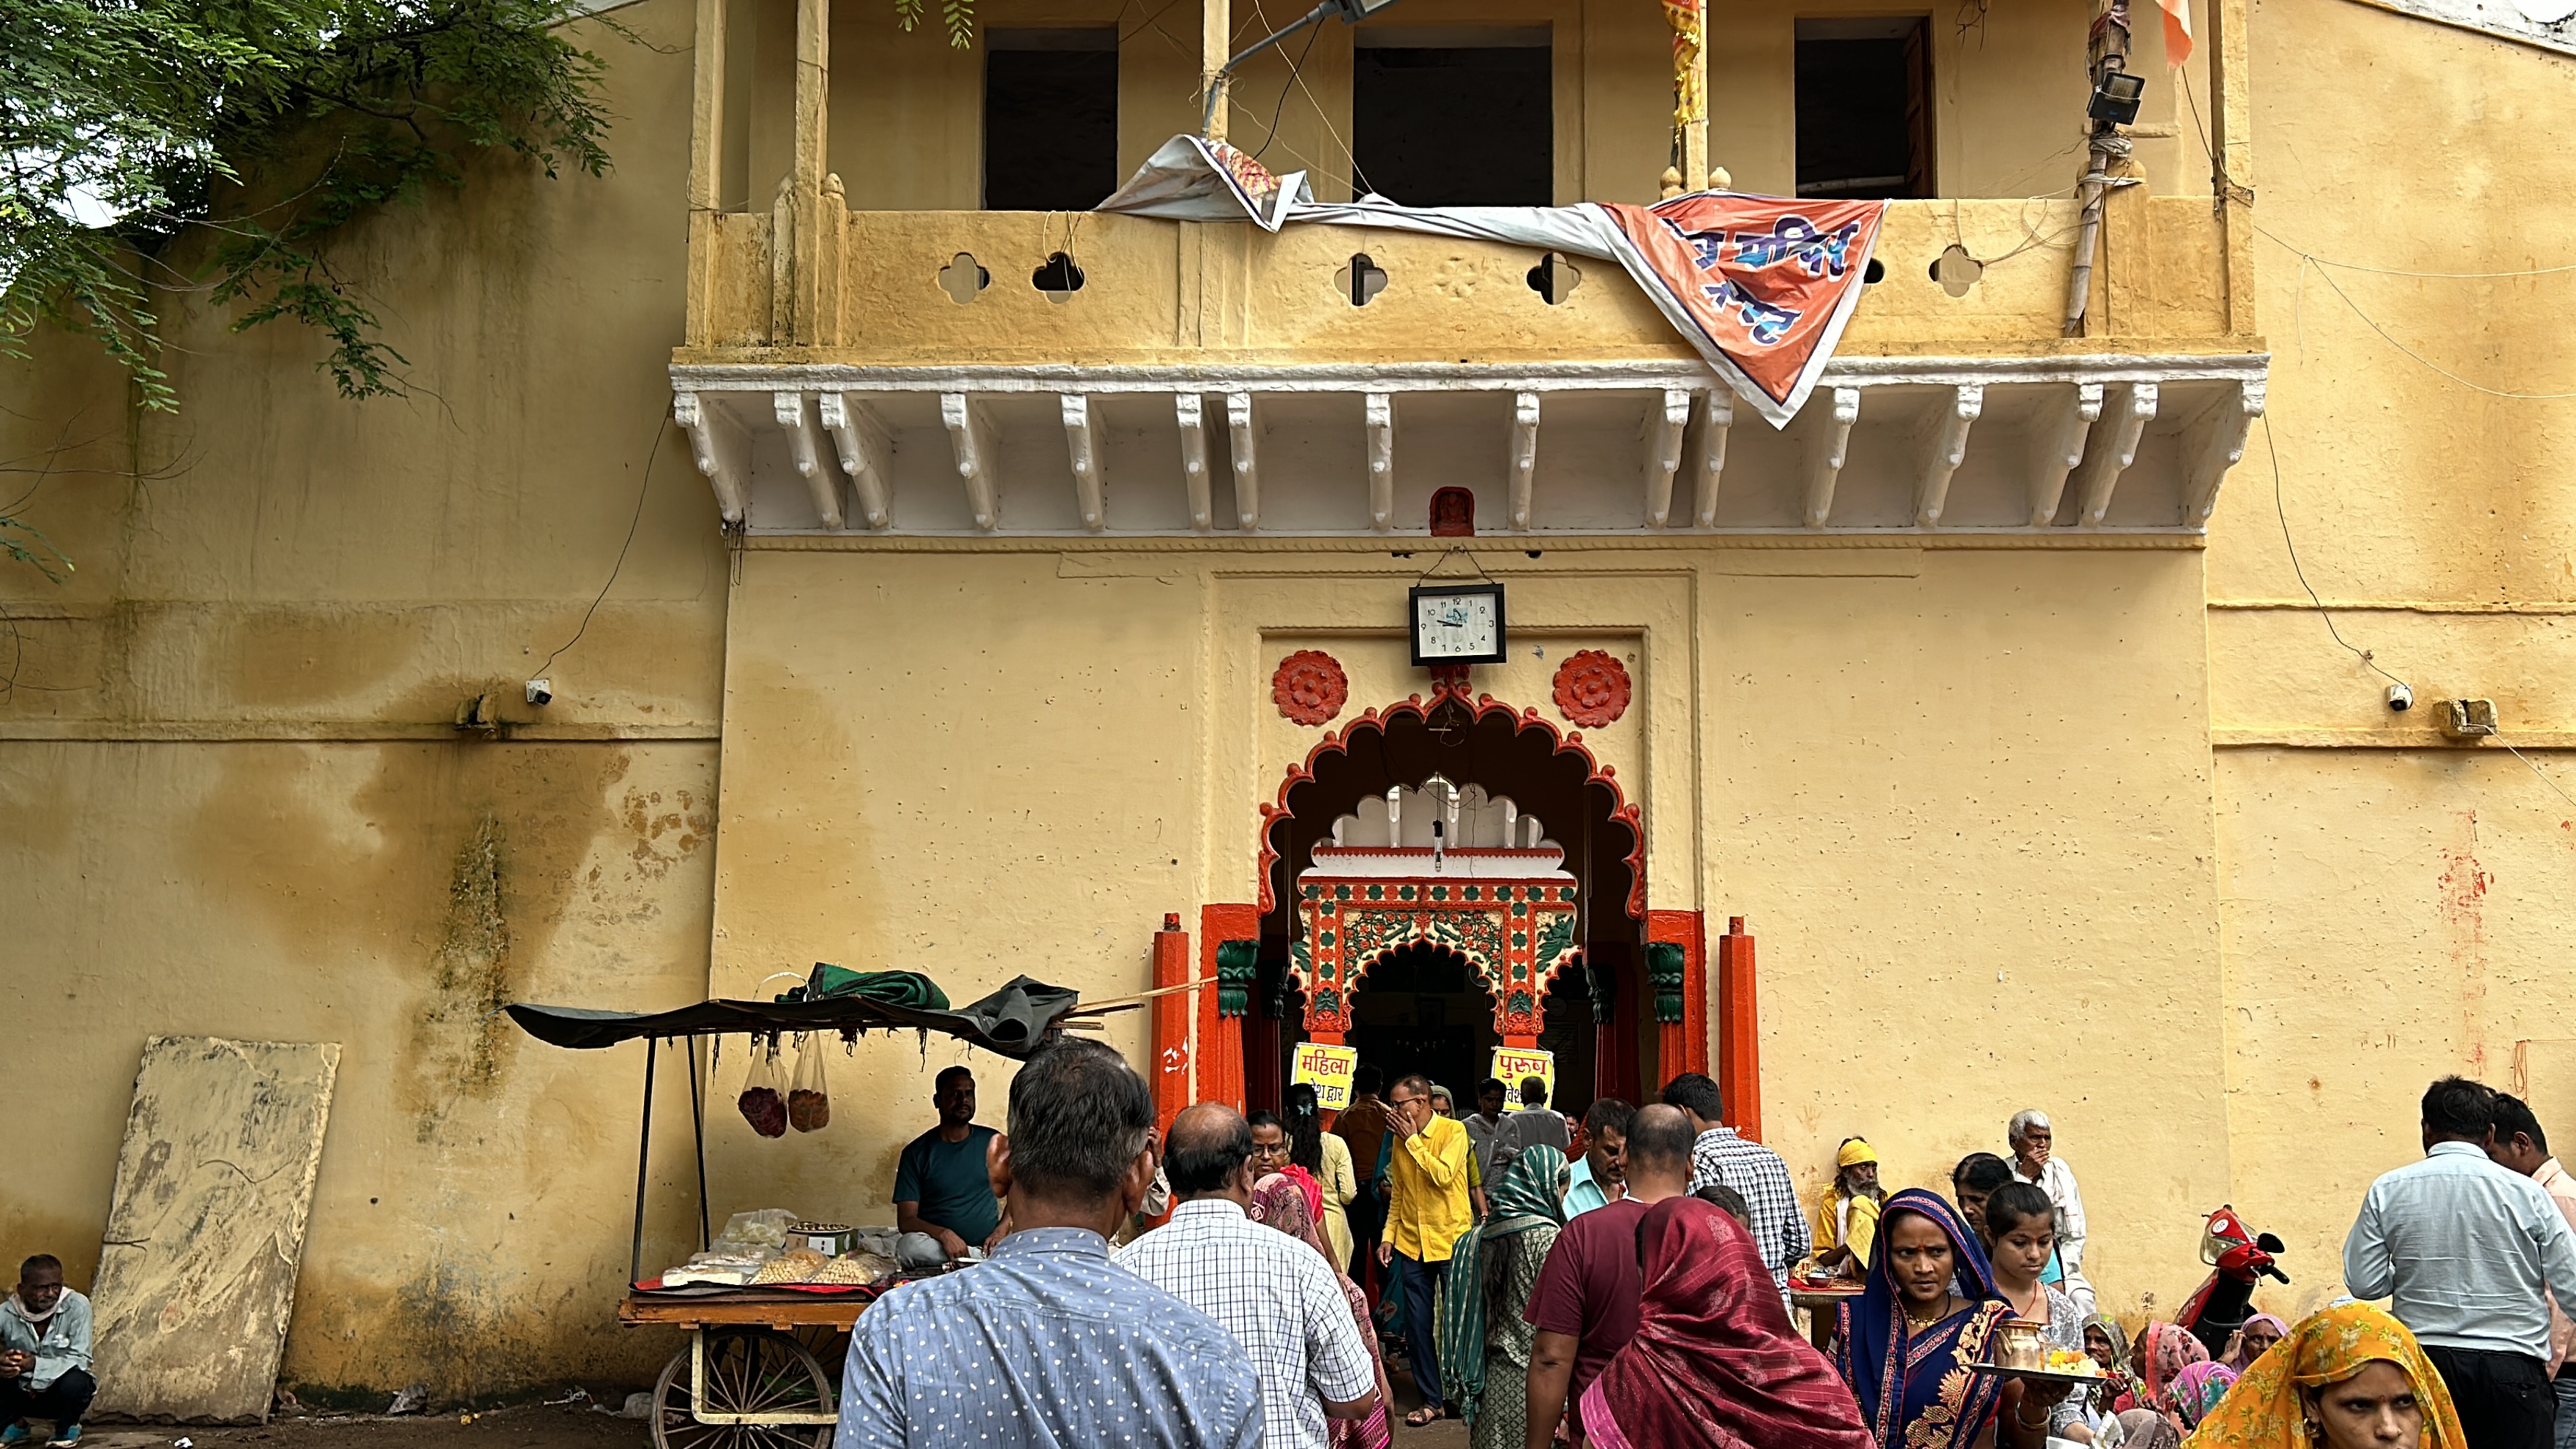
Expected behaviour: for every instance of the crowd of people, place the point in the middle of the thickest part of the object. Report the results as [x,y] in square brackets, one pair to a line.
[1624,1283]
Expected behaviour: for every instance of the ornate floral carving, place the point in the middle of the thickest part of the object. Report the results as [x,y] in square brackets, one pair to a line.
[1310,688]
[1592,688]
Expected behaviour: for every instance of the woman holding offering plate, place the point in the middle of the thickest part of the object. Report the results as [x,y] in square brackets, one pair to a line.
[1928,1312]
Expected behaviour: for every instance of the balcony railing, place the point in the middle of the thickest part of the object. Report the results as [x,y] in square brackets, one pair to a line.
[1964,278]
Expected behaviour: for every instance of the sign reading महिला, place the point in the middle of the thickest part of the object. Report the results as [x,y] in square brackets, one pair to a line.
[1328,1070]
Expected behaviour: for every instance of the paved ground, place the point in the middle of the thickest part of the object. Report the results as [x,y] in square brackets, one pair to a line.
[528,1426]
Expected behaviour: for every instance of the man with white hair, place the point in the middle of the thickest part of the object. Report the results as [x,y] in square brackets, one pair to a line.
[2033,1162]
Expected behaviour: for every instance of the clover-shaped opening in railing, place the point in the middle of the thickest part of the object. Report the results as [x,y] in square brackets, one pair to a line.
[1362,280]
[1057,277]
[962,278]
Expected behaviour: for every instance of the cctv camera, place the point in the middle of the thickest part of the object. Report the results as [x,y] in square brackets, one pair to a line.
[542,691]
[2400,698]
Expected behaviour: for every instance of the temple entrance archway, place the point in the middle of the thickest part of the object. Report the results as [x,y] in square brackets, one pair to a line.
[1520,919]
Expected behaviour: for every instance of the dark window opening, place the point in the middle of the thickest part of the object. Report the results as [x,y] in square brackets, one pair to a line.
[1439,121]
[1050,119]
[1865,108]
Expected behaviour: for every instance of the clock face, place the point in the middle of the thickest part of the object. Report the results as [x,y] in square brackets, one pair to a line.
[1453,626]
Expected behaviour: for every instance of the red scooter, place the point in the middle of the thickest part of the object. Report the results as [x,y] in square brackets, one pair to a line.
[2239,1255]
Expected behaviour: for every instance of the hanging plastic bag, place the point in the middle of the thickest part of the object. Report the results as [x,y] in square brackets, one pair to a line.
[809,1105]
[763,1104]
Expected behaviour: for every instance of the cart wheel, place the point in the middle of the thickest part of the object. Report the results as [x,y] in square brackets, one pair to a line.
[749,1371]
[830,1346]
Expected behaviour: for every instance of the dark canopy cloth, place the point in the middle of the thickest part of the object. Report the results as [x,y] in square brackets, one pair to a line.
[1011,1021]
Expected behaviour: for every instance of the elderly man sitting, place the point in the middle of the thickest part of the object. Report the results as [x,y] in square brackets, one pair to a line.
[44,1355]
[1847,1218]
[2034,1161]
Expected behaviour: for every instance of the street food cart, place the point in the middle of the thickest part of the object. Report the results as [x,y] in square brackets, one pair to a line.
[762,1365]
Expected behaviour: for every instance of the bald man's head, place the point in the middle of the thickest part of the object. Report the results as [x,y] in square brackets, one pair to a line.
[1659,1142]
[1205,1153]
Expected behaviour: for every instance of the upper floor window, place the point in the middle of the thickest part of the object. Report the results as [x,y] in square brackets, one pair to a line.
[1454,117]
[1050,119]
[1865,107]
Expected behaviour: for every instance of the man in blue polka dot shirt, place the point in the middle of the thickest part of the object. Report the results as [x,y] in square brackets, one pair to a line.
[1049,1344]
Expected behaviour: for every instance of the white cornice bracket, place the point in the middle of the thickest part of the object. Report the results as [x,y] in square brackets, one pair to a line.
[2214,443]
[805,450]
[1664,454]
[1831,442]
[1945,447]
[2057,445]
[1523,456]
[2132,405]
[865,447]
[1241,438]
[1716,417]
[1082,447]
[970,436]
[722,451]
[1381,460]
[1190,411]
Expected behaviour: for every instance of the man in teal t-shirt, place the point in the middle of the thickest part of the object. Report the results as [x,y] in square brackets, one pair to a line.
[941,1186]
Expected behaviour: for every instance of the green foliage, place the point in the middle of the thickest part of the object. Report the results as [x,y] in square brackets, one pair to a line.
[257,131]
[958,15]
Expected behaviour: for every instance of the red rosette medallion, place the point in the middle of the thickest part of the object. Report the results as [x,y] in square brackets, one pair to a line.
[1592,688]
[1310,688]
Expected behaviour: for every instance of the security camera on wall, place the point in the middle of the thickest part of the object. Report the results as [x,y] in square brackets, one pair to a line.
[2400,698]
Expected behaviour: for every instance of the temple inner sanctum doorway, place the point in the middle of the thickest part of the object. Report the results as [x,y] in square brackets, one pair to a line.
[1446,878]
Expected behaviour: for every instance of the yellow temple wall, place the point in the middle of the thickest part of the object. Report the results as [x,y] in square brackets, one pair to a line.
[1966,796]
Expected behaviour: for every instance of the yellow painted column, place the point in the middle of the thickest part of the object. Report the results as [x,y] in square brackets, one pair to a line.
[1216,41]
[2231,74]
[706,163]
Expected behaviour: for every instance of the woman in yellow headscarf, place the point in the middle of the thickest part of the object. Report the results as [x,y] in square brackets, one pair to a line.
[2346,1378]
[1847,1218]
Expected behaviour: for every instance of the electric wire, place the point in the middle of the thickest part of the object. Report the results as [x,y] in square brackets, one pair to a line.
[2535,769]
[2282,512]
[661,425]
[1296,71]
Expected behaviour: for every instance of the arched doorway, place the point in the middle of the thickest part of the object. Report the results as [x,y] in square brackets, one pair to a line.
[1441,985]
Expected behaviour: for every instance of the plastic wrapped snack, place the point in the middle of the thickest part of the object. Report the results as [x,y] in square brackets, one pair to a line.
[797,1265]
[857,1269]
[809,1104]
[761,1228]
[763,1102]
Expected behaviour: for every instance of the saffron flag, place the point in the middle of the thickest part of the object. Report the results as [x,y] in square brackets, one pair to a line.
[1764,282]
[2177,30]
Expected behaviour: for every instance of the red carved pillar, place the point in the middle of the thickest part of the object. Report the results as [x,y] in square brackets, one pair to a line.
[1221,1036]
[1739,1031]
[1171,1068]
[1682,1046]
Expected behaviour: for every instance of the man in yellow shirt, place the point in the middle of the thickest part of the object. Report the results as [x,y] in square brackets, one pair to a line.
[1426,1210]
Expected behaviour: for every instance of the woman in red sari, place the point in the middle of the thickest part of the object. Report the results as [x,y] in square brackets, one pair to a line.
[1279,1201]
[1714,1362]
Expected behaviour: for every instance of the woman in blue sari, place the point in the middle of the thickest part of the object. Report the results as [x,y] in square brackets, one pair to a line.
[1928,1311]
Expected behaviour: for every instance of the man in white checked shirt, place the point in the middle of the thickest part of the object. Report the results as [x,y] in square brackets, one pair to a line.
[1753,1170]
[1271,1291]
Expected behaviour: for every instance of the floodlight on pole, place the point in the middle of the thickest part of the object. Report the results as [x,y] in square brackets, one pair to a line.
[1351,11]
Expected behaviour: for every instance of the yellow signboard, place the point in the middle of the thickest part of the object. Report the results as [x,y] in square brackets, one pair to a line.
[1511,1064]
[1328,1070]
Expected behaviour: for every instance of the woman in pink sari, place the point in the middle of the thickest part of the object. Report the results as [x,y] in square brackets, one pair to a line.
[1279,1201]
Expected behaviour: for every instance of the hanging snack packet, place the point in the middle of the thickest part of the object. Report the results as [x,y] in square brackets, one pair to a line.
[763,1105]
[809,1106]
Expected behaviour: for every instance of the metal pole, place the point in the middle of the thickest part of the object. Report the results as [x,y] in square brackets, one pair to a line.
[643,1157]
[698,1111]
[1225,73]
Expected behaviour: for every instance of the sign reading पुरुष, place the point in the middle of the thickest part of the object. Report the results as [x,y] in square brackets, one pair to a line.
[1328,1070]
[1511,1064]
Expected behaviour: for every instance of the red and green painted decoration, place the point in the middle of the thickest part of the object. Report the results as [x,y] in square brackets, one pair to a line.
[1517,936]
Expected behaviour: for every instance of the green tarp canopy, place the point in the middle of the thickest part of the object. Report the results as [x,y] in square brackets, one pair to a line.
[1011,1021]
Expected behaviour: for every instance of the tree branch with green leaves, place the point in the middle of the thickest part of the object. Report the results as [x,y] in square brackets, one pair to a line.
[221,146]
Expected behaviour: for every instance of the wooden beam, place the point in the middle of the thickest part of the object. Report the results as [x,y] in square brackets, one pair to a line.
[1083,448]
[805,450]
[706,166]
[1216,43]
[1241,439]
[1189,410]
[865,447]
[2057,445]
[1381,460]
[2132,407]
[970,436]
[1826,448]
[2214,443]
[722,451]
[1716,417]
[1664,453]
[1945,446]
[1522,455]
